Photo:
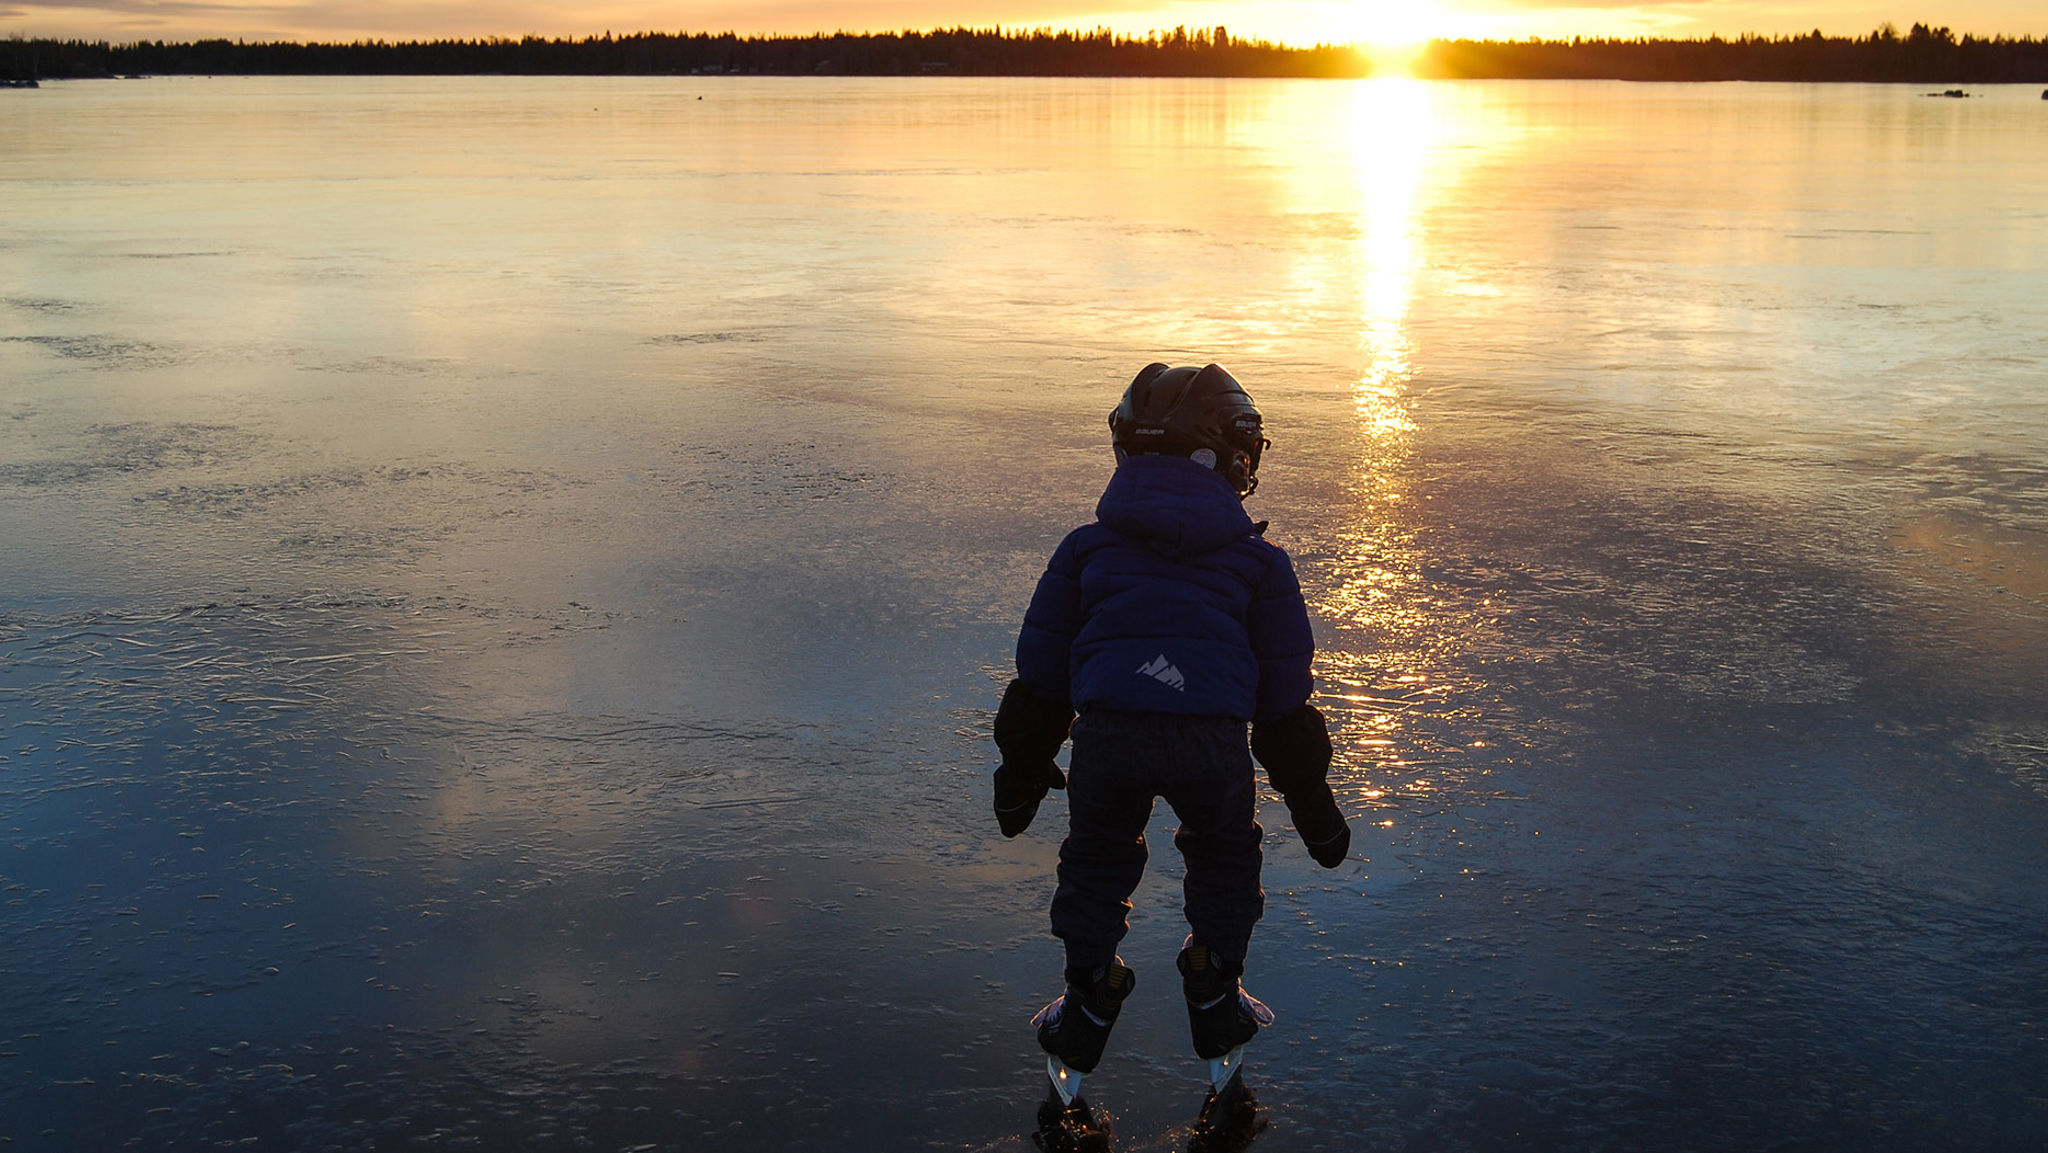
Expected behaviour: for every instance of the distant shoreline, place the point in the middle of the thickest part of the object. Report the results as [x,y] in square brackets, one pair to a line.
[1923,55]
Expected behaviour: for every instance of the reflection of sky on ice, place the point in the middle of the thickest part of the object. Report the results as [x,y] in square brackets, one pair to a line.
[502,603]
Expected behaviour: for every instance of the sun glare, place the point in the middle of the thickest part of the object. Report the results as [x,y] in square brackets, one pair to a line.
[1391,34]
[1395,24]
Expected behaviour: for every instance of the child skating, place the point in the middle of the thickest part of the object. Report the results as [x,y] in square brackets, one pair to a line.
[1168,624]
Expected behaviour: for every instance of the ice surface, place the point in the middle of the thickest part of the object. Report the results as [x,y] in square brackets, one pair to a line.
[506,581]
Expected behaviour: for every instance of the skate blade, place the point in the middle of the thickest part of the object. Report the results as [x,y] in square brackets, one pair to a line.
[1222,1069]
[1065,1081]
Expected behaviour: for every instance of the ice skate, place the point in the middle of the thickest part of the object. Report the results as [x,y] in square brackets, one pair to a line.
[1221,1015]
[1073,1031]
[1075,1027]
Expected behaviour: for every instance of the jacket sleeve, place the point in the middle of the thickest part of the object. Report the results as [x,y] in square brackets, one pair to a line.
[1279,631]
[1045,646]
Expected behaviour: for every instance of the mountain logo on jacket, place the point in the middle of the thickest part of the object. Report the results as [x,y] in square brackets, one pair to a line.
[1161,670]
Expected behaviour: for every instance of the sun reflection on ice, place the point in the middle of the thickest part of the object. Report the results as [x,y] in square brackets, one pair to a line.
[1380,674]
[1392,133]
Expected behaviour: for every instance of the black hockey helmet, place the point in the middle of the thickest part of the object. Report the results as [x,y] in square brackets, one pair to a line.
[1200,413]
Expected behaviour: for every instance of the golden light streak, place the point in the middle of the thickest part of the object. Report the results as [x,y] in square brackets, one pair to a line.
[1393,129]
[1392,137]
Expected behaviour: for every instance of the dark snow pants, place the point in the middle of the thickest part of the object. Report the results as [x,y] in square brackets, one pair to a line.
[1203,768]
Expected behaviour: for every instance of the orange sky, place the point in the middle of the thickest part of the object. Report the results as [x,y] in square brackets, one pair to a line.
[1292,21]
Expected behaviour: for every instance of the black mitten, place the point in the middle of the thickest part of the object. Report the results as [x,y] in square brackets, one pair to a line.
[1296,752]
[1029,732]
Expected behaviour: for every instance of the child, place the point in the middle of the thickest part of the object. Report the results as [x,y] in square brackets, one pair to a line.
[1168,624]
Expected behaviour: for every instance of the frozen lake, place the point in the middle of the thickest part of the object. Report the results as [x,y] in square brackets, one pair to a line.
[505,583]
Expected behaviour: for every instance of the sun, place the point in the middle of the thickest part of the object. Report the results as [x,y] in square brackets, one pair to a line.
[1391,34]
[1386,25]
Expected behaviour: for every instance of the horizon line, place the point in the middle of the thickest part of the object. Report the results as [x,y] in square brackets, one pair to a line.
[1159,35]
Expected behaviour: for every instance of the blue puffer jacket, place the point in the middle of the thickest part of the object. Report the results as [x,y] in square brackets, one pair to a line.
[1171,602]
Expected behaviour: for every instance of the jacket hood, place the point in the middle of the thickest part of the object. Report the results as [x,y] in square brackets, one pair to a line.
[1172,506]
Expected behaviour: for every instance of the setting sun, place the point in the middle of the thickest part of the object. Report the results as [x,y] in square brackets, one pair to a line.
[1395,24]
[1391,34]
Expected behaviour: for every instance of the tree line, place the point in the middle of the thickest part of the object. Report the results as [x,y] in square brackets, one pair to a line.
[1924,54]
[962,51]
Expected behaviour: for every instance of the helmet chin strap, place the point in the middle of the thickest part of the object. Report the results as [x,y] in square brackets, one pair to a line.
[1241,475]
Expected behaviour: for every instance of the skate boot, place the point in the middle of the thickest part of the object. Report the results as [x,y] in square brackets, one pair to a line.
[1074,1029]
[1221,1015]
